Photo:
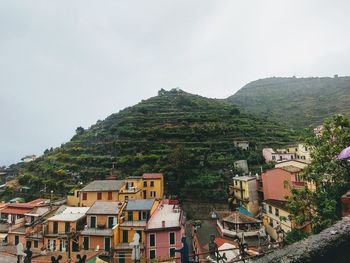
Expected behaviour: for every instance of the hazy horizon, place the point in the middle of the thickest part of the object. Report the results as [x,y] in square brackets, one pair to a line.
[68,64]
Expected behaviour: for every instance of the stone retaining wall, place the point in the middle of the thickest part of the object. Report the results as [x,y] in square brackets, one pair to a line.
[332,245]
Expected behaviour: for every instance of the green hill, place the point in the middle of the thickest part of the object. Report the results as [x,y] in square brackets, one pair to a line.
[187,137]
[299,102]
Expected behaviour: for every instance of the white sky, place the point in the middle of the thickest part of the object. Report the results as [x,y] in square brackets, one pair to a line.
[65,64]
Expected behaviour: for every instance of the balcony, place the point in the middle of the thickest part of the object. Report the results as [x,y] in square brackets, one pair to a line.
[129,190]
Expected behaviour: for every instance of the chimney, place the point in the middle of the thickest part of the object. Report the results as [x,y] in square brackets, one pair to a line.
[163,224]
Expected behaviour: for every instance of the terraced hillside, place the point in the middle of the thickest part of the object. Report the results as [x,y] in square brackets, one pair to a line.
[187,137]
[298,102]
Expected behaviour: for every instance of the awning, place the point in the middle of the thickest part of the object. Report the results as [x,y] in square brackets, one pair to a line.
[3,235]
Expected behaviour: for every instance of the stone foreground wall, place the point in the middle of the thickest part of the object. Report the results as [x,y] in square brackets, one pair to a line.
[331,245]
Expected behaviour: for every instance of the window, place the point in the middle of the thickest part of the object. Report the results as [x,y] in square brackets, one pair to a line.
[99,196]
[93,221]
[126,198]
[36,243]
[130,216]
[152,240]
[172,252]
[277,212]
[144,184]
[152,184]
[152,254]
[66,227]
[125,236]
[84,196]
[153,193]
[172,238]
[270,209]
[109,195]
[110,221]
[273,157]
[271,222]
[55,227]
[143,215]
[292,157]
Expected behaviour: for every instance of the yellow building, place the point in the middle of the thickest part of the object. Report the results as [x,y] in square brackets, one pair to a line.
[70,220]
[244,192]
[275,216]
[133,219]
[148,186]
[276,219]
[153,185]
[102,219]
[99,190]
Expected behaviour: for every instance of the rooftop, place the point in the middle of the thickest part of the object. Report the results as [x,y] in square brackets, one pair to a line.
[103,185]
[167,213]
[104,208]
[70,214]
[139,205]
[292,169]
[244,178]
[239,218]
[152,176]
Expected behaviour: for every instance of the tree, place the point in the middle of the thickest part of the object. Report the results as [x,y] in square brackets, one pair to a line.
[79,130]
[329,175]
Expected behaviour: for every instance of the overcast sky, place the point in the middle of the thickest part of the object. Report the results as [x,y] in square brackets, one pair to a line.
[65,64]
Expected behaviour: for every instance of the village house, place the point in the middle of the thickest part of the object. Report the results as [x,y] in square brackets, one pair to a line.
[277,183]
[102,217]
[164,231]
[133,219]
[28,158]
[99,190]
[244,192]
[296,163]
[14,218]
[59,228]
[276,218]
[277,155]
[147,186]
[244,145]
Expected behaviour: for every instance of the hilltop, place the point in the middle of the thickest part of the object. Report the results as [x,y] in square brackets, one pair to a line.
[187,137]
[298,102]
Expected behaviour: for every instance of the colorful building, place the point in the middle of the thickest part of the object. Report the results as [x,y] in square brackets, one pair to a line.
[99,190]
[164,231]
[102,217]
[133,219]
[279,155]
[64,226]
[244,192]
[276,218]
[277,182]
[153,186]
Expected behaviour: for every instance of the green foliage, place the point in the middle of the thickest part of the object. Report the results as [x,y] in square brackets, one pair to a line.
[299,102]
[187,137]
[294,236]
[330,175]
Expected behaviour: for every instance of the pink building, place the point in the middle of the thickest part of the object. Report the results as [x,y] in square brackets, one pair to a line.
[164,231]
[277,182]
[278,155]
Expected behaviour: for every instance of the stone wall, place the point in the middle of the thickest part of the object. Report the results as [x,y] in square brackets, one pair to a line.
[331,245]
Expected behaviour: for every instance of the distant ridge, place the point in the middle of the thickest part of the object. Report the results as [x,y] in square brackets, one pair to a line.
[298,102]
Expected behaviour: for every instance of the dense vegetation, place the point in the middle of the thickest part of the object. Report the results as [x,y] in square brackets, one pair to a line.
[187,137]
[298,102]
[330,176]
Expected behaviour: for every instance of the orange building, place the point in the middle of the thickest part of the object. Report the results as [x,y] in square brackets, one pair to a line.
[69,221]
[102,218]
[153,186]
